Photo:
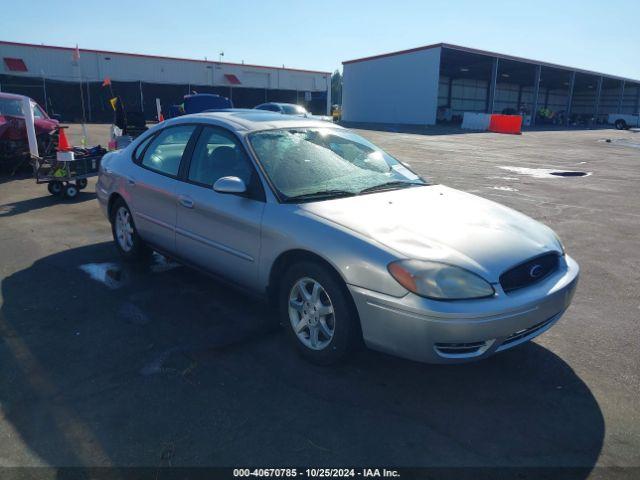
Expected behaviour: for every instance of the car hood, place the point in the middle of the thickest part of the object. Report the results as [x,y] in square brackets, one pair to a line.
[442,224]
[13,127]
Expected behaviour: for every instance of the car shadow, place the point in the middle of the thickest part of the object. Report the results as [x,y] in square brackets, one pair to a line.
[24,206]
[105,364]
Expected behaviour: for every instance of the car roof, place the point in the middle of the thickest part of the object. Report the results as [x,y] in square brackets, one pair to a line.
[250,120]
[12,96]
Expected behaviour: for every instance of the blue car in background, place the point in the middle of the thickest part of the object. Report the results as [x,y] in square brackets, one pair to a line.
[200,102]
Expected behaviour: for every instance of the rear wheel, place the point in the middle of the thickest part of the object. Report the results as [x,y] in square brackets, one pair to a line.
[125,235]
[55,187]
[621,124]
[81,183]
[318,313]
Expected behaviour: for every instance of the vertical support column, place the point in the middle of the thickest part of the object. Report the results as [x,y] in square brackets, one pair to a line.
[141,96]
[491,97]
[329,82]
[536,92]
[44,91]
[572,84]
[620,96]
[596,108]
[449,92]
[637,110]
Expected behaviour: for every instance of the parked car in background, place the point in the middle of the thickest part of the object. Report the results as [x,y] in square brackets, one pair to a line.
[344,239]
[624,121]
[13,134]
[291,109]
[199,102]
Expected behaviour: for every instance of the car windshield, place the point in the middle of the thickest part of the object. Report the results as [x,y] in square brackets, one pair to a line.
[293,110]
[9,106]
[317,163]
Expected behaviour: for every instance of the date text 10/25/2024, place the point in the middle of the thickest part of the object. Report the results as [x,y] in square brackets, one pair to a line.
[316,473]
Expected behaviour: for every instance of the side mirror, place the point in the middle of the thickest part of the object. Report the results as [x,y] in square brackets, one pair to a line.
[229,185]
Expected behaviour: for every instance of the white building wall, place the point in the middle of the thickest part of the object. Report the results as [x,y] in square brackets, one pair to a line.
[56,63]
[399,88]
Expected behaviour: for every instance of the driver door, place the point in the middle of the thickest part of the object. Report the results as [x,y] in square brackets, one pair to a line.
[217,231]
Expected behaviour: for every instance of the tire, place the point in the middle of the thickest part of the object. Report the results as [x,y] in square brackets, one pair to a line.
[55,187]
[81,183]
[621,124]
[70,191]
[128,243]
[338,329]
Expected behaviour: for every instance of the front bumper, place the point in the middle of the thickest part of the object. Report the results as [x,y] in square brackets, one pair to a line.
[457,331]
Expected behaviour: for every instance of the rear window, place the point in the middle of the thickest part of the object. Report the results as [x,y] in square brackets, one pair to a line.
[165,150]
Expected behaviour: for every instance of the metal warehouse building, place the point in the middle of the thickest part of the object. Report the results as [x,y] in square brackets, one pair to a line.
[59,80]
[438,83]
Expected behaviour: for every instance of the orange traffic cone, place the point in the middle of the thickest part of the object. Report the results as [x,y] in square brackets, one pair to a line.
[65,152]
[63,143]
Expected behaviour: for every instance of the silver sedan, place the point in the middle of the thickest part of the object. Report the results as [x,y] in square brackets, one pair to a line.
[347,242]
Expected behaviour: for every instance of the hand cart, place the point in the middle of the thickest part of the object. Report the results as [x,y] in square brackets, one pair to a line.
[66,178]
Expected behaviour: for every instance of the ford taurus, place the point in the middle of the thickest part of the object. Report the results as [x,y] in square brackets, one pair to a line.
[349,243]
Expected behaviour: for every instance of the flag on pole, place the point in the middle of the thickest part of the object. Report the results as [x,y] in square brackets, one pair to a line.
[106,82]
[114,102]
[76,54]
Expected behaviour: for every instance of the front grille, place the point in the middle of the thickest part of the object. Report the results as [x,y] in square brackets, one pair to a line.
[529,272]
[520,334]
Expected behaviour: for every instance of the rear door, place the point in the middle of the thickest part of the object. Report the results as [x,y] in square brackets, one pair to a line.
[151,185]
[220,232]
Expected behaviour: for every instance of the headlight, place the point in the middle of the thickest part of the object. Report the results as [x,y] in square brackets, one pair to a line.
[439,280]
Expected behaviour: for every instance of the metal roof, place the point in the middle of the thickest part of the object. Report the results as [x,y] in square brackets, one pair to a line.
[141,55]
[490,54]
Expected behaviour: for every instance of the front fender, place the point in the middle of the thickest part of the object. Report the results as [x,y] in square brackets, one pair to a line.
[358,260]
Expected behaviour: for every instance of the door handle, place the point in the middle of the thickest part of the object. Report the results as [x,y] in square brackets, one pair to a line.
[131,181]
[185,201]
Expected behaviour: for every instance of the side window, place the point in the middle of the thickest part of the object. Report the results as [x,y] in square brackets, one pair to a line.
[166,149]
[37,112]
[219,154]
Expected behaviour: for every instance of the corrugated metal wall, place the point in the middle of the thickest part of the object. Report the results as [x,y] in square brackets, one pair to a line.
[139,80]
[395,89]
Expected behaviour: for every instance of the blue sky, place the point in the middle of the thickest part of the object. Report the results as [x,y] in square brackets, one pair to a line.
[592,34]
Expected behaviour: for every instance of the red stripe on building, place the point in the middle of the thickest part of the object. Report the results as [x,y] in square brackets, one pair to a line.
[15,64]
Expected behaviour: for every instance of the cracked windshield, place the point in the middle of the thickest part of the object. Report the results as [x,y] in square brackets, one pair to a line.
[319,163]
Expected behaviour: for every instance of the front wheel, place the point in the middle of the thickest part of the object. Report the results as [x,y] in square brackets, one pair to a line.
[70,191]
[621,124]
[318,313]
[125,235]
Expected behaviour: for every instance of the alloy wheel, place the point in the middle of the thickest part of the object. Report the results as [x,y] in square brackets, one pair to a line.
[124,229]
[311,314]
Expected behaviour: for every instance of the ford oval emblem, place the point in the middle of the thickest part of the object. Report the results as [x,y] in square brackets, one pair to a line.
[535,271]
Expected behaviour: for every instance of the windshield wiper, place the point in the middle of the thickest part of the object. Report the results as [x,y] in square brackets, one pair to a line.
[391,186]
[320,195]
